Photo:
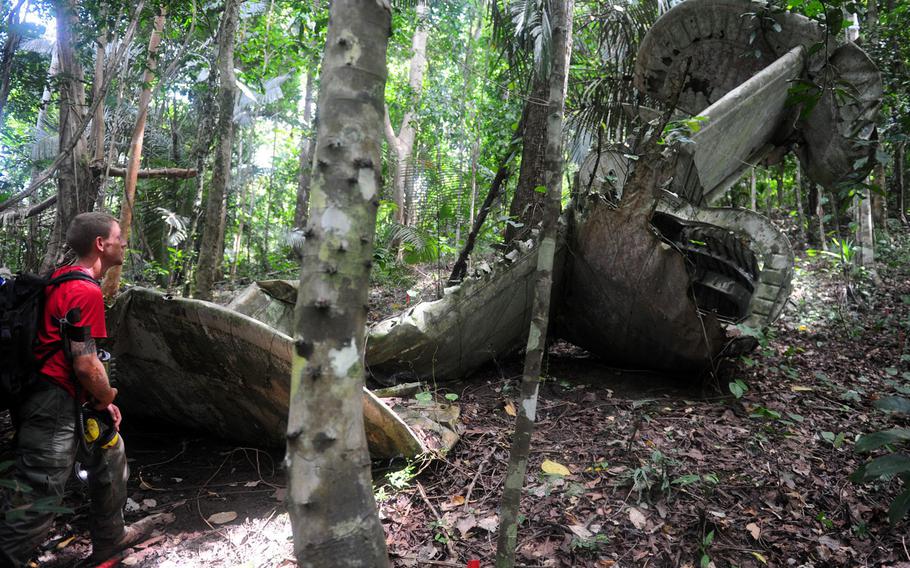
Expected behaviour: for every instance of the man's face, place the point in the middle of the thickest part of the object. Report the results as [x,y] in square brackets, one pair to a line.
[113,247]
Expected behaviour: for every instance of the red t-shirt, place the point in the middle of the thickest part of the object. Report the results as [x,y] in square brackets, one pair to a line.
[59,300]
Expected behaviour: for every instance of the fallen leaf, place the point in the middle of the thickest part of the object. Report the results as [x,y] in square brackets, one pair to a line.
[798,388]
[458,499]
[638,518]
[221,518]
[510,409]
[754,530]
[465,524]
[131,505]
[489,524]
[251,483]
[64,543]
[580,531]
[760,557]
[554,468]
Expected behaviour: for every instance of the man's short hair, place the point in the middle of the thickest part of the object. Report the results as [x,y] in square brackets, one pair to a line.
[85,228]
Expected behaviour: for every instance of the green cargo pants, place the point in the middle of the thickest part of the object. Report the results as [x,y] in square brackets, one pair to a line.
[45,454]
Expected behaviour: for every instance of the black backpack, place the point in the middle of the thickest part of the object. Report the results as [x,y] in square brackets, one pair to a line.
[21,308]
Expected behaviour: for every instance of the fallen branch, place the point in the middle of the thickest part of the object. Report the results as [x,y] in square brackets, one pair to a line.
[177,173]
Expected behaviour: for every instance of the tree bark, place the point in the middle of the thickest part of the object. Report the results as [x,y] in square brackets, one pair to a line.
[403,142]
[537,336]
[798,194]
[13,38]
[526,209]
[880,197]
[330,496]
[76,191]
[899,180]
[112,280]
[753,196]
[213,232]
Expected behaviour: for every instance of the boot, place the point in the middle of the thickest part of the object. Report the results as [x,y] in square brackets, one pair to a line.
[132,535]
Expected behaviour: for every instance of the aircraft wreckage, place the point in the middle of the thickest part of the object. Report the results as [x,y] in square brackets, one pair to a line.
[648,274]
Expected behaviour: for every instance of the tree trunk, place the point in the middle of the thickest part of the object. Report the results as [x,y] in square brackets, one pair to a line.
[97,136]
[537,336]
[753,196]
[330,495]
[798,194]
[879,198]
[306,154]
[820,213]
[112,280]
[865,240]
[213,233]
[76,191]
[13,37]
[502,174]
[899,180]
[526,209]
[403,142]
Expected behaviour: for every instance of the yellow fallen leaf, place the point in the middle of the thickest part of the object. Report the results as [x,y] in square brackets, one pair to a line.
[799,388]
[760,557]
[458,499]
[510,409]
[554,468]
[221,518]
[803,328]
[64,543]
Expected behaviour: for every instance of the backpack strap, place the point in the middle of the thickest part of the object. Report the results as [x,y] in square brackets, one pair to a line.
[63,278]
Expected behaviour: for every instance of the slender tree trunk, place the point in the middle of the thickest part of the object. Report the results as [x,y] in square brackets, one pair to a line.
[798,194]
[13,38]
[526,209]
[76,191]
[820,213]
[880,198]
[865,240]
[330,495]
[306,154]
[242,216]
[899,180]
[753,196]
[537,336]
[97,136]
[502,174]
[213,232]
[403,142]
[112,280]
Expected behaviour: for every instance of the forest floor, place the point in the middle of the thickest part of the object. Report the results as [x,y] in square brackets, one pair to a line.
[662,471]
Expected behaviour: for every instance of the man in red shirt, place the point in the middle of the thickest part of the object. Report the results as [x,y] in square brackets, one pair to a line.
[47,436]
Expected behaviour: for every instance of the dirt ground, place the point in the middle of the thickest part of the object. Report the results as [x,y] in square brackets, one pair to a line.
[662,471]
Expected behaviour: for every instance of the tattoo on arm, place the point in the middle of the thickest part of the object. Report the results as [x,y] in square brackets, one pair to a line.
[80,348]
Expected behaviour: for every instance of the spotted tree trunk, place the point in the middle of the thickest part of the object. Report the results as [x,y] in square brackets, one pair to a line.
[537,335]
[330,497]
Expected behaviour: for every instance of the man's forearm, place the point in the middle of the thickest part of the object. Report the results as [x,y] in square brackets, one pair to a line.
[90,372]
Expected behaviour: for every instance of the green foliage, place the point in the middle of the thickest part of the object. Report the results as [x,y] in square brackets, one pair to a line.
[738,388]
[895,462]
